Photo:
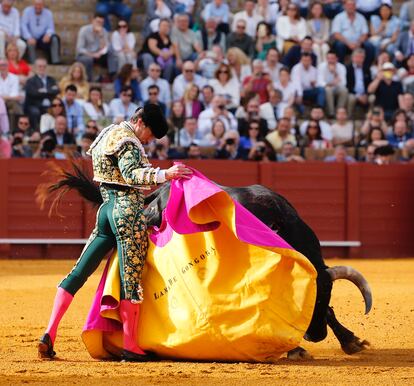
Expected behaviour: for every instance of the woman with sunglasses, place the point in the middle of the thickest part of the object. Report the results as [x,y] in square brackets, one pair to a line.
[123,43]
[313,137]
[224,83]
[47,120]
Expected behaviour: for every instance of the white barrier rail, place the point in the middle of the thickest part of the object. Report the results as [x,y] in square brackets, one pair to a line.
[338,243]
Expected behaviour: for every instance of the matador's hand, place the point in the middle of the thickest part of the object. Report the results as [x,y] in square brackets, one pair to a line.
[178,171]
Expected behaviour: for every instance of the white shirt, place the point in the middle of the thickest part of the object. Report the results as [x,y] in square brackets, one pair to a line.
[325,76]
[304,77]
[180,84]
[251,22]
[292,89]
[325,129]
[92,113]
[10,22]
[118,42]
[9,87]
[205,121]
[117,109]
[231,88]
[273,72]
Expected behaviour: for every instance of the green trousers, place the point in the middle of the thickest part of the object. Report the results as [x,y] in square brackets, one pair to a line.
[120,223]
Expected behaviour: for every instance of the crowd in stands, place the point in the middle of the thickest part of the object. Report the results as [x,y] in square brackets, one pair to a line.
[279,80]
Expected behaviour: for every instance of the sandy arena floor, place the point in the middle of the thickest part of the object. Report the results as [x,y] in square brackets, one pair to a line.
[27,289]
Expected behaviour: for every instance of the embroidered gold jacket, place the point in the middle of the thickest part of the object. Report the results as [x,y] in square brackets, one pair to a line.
[118,157]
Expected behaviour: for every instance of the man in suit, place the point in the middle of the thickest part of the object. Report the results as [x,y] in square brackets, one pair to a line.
[40,90]
[358,77]
[293,56]
[60,134]
[273,110]
[405,45]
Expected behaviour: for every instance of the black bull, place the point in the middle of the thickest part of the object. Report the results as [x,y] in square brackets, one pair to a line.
[278,214]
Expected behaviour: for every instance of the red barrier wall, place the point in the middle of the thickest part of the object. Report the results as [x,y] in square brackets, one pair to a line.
[368,203]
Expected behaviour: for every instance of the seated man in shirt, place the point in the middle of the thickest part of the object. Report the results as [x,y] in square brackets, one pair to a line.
[74,111]
[61,135]
[10,28]
[122,108]
[38,29]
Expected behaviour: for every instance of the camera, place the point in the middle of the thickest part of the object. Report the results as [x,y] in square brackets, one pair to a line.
[260,149]
[221,107]
[230,141]
[17,141]
[376,112]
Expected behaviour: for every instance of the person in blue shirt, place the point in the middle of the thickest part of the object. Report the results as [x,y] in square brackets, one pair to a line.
[38,30]
[74,111]
[113,7]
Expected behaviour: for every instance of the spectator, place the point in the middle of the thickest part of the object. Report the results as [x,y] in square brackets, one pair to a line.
[46,148]
[183,80]
[153,98]
[76,75]
[128,77]
[374,137]
[91,127]
[306,76]
[193,106]
[262,151]
[211,35]
[207,95]
[257,83]
[369,8]
[215,137]
[208,62]
[407,75]
[251,143]
[175,122]
[217,110]
[17,66]
[240,39]
[384,29]
[225,84]
[85,143]
[290,90]
[342,129]
[268,10]
[332,77]
[405,45]
[184,7]
[47,120]
[158,48]
[189,133]
[250,17]
[9,92]
[5,148]
[239,64]
[317,114]
[340,155]
[282,134]
[401,115]
[218,11]
[382,58]
[295,53]
[123,43]
[331,8]
[358,78]
[19,148]
[407,104]
[38,30]
[93,47]
[350,31]
[229,148]
[272,65]
[186,40]
[271,111]
[122,108]
[60,134]
[400,136]
[287,153]
[387,91]
[369,156]
[291,29]
[156,11]
[374,118]
[95,108]
[406,14]
[74,111]
[10,28]
[313,137]
[154,77]
[113,7]
[23,126]
[4,119]
[159,149]
[318,26]
[250,114]
[264,40]
[193,151]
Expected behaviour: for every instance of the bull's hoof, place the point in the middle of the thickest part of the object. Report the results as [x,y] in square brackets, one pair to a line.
[298,354]
[355,345]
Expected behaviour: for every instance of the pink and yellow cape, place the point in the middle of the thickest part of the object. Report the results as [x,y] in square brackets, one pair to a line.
[219,285]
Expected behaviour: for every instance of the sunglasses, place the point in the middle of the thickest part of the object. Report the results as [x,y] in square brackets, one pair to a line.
[57,105]
[92,127]
[223,72]
[24,123]
[188,70]
[253,128]
[127,94]
[153,93]
[155,69]
[241,27]
[122,26]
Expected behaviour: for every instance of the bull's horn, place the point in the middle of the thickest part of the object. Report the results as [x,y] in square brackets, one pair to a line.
[351,274]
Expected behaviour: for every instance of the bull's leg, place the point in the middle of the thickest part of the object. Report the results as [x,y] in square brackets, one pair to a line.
[350,343]
[317,329]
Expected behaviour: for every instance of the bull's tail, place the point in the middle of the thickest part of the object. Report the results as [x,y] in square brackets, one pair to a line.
[62,181]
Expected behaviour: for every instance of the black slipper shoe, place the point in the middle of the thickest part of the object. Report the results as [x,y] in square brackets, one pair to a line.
[129,356]
[45,347]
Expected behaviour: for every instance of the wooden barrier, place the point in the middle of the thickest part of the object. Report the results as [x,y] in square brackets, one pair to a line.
[357,202]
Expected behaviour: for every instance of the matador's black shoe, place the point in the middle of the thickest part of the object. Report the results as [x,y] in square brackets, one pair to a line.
[129,356]
[45,347]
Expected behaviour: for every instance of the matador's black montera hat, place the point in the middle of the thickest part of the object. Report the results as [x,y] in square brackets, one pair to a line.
[154,118]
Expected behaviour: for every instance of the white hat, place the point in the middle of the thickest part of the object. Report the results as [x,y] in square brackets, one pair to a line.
[388,66]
